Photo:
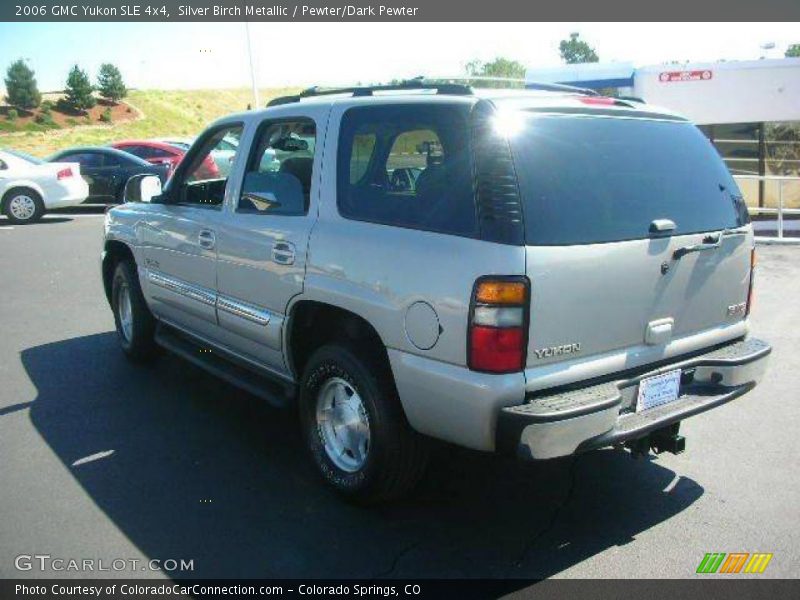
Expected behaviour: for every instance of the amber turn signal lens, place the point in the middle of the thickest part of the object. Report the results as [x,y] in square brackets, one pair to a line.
[501,292]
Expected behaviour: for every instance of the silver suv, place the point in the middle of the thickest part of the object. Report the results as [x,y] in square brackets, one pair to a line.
[539,271]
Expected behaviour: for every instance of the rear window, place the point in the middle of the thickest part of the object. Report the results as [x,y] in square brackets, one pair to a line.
[591,180]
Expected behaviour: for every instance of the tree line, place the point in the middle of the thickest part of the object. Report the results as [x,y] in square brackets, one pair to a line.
[22,91]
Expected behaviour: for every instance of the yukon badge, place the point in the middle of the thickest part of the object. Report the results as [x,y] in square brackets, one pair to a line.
[558,350]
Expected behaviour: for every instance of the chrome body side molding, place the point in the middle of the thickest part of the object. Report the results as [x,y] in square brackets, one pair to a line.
[245,311]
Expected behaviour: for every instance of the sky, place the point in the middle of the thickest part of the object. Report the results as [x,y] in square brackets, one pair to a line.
[214,55]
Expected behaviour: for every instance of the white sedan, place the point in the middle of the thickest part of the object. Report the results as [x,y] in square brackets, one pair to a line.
[29,187]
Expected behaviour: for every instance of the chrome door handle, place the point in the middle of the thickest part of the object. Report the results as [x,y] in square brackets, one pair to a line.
[283,253]
[206,239]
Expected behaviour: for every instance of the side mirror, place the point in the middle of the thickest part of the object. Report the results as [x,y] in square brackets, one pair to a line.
[142,188]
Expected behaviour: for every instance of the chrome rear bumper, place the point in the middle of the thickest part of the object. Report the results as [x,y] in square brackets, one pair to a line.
[582,419]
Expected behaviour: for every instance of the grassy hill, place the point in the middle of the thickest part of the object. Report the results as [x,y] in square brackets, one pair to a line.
[183,113]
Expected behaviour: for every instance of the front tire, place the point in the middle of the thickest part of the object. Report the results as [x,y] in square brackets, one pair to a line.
[355,428]
[23,206]
[134,322]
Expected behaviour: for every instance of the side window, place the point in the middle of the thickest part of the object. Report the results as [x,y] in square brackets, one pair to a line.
[111,161]
[87,160]
[277,178]
[206,176]
[3,165]
[159,153]
[407,166]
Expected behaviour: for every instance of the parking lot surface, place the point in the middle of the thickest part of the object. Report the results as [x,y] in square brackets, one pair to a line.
[100,459]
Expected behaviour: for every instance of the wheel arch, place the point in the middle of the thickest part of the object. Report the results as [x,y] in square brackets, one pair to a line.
[313,323]
[18,185]
[113,252]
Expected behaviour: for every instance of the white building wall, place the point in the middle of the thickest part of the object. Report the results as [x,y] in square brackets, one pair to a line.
[726,92]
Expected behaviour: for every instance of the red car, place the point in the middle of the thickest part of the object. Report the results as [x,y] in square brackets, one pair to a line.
[159,153]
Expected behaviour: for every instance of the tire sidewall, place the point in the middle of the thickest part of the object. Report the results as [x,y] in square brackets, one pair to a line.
[121,278]
[37,200]
[339,362]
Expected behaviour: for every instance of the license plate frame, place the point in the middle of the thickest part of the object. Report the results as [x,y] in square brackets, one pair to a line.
[658,390]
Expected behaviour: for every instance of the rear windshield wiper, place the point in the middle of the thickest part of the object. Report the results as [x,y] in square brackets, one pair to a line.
[710,242]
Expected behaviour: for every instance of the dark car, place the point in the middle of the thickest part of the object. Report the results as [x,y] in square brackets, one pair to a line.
[106,170]
[158,153]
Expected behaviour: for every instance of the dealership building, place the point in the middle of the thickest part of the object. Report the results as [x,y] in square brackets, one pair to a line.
[750,110]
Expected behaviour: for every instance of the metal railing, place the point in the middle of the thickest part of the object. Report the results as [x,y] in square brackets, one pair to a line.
[780,211]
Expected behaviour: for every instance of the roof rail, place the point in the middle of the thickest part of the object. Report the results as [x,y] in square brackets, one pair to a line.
[418,83]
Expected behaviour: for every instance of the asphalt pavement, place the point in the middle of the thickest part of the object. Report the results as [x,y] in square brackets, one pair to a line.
[104,460]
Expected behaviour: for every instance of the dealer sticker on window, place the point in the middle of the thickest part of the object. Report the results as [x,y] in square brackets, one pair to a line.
[658,390]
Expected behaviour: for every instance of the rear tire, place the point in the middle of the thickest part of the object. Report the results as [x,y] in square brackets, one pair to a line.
[135,324]
[355,428]
[23,206]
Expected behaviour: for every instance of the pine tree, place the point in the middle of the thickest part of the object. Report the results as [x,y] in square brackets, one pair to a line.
[79,90]
[21,87]
[110,84]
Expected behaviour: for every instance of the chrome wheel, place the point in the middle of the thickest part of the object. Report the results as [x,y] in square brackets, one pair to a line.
[22,207]
[343,424]
[124,312]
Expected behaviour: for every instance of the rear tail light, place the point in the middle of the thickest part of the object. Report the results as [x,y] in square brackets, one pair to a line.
[64,173]
[498,325]
[752,281]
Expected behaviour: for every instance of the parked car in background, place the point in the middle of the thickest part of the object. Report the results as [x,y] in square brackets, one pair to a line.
[222,155]
[161,153]
[29,186]
[107,170]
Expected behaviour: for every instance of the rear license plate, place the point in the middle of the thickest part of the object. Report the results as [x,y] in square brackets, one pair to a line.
[657,390]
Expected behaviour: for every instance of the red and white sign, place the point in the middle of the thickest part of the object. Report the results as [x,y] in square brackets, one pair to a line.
[675,76]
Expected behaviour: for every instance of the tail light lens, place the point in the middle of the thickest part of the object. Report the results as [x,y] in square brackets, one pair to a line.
[498,325]
[752,281]
[64,173]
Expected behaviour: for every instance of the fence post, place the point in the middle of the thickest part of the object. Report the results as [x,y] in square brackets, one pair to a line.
[780,209]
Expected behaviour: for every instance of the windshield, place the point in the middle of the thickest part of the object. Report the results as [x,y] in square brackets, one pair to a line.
[592,179]
[26,157]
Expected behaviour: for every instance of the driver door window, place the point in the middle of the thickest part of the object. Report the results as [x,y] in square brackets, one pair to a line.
[277,180]
[206,177]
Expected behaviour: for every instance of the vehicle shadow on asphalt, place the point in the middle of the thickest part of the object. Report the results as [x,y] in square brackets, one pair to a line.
[202,471]
[4,222]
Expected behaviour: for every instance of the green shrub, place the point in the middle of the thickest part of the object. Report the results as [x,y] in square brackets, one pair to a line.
[47,107]
[105,116]
[12,115]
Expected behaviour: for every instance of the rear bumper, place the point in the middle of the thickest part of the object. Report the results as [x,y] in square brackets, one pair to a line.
[578,420]
[70,195]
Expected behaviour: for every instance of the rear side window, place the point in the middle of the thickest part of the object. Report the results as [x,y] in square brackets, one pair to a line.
[407,166]
[85,159]
[590,180]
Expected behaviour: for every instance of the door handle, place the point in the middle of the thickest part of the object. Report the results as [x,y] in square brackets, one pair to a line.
[206,239]
[283,253]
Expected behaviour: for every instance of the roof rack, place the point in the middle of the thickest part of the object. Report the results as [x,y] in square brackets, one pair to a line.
[418,83]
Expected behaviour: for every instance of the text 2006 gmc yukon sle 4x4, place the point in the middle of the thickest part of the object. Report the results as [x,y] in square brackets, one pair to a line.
[541,271]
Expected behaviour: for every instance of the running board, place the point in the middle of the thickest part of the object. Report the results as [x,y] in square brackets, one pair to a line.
[275,392]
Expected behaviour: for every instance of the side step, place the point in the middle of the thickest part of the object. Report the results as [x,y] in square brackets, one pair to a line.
[274,391]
